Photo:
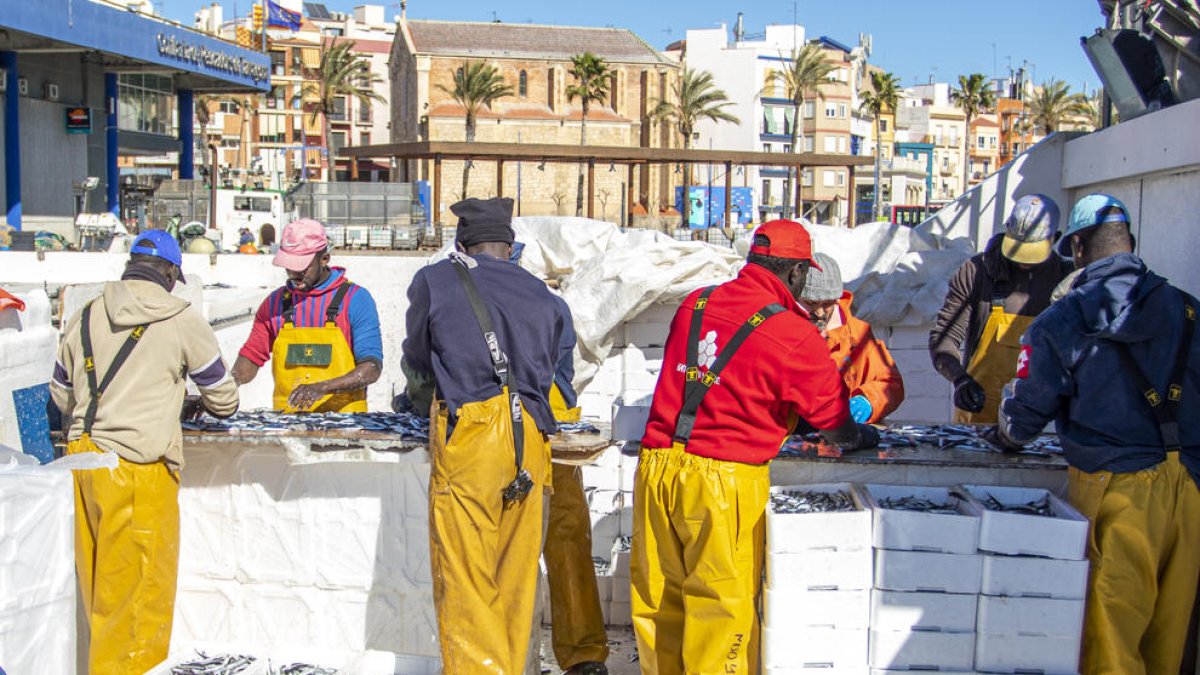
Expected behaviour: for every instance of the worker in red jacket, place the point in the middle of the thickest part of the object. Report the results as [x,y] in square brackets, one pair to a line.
[742,363]
[874,382]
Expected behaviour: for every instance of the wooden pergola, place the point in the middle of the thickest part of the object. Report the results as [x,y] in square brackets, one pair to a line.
[631,157]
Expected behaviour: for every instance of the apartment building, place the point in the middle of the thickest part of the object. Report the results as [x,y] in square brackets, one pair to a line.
[535,61]
[928,115]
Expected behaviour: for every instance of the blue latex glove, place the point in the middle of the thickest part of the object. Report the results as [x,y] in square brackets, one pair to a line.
[860,409]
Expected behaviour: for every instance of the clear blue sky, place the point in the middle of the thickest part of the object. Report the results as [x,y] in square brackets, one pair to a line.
[915,39]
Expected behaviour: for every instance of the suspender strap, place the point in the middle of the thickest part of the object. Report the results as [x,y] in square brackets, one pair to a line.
[500,364]
[692,375]
[335,305]
[95,391]
[691,403]
[288,305]
[1165,408]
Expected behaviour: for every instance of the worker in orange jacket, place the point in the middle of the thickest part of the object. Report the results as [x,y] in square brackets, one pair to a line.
[871,376]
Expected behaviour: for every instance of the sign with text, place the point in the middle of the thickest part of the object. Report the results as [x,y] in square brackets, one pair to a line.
[79,120]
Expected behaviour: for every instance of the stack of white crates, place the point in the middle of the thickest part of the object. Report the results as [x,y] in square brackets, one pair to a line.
[927,579]
[816,601]
[1033,585]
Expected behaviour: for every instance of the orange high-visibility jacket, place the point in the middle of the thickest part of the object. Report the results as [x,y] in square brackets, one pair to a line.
[866,365]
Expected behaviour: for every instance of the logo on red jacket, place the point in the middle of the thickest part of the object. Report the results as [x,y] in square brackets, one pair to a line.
[1023,361]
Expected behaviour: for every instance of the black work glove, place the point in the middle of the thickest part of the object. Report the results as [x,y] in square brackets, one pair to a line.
[401,403]
[968,395]
[868,437]
[997,439]
[193,408]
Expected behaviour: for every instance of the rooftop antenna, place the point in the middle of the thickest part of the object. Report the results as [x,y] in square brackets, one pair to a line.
[495,17]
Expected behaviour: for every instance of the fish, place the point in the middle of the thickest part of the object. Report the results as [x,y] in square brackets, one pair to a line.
[1037,507]
[918,503]
[795,502]
[408,426]
[223,664]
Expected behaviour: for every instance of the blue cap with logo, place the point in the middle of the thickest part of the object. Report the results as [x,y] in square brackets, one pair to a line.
[160,244]
[1090,211]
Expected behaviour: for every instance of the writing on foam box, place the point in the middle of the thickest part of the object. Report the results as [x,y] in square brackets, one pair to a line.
[1061,535]
[835,530]
[1021,576]
[941,612]
[902,530]
[786,608]
[917,571]
[922,650]
[820,570]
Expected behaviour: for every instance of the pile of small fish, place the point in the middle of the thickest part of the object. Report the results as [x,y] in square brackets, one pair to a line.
[222,664]
[303,669]
[917,503]
[810,502]
[943,436]
[1038,507]
[408,426]
[577,428]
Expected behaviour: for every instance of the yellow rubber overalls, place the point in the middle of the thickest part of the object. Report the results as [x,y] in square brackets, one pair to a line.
[484,548]
[698,539]
[309,355]
[577,620]
[994,362]
[126,542]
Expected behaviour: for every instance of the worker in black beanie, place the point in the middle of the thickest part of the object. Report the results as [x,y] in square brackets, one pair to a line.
[485,526]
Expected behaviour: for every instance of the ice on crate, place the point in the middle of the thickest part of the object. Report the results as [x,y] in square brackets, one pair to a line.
[829,516]
[908,518]
[1028,521]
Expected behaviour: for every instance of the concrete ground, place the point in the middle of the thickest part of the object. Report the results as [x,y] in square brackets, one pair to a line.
[621,645]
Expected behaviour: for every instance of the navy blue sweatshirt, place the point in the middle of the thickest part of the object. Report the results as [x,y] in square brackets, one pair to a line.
[1071,372]
[444,340]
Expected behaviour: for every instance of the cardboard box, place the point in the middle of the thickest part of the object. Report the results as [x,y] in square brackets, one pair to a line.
[1030,616]
[918,531]
[788,608]
[917,650]
[820,570]
[918,571]
[814,648]
[1063,536]
[943,612]
[838,531]
[1020,576]
[1027,653]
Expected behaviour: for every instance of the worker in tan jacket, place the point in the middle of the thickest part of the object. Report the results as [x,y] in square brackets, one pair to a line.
[120,376]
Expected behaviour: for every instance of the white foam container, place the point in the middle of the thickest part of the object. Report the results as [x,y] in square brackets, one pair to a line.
[1027,653]
[837,531]
[1062,536]
[917,531]
[918,650]
[820,570]
[787,608]
[629,421]
[1030,616]
[1021,576]
[814,648]
[919,571]
[786,670]
[944,612]
[363,663]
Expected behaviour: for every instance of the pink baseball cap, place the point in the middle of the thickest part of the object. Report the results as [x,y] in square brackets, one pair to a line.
[302,239]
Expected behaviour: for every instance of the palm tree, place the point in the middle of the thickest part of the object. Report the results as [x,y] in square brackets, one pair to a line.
[974,97]
[696,98]
[592,78]
[883,97]
[1053,104]
[805,74]
[476,85]
[342,73]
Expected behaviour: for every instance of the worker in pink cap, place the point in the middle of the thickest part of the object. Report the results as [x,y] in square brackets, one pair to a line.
[319,330]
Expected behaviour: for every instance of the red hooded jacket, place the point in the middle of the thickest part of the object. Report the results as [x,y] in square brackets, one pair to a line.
[781,371]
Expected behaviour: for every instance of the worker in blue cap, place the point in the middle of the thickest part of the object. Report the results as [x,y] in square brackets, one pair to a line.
[1116,365]
[119,374]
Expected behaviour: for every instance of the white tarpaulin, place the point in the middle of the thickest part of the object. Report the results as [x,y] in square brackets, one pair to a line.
[899,274]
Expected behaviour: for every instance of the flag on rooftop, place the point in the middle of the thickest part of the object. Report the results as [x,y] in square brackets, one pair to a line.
[282,17]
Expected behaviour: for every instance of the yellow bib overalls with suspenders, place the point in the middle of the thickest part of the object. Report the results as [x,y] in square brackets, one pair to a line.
[994,362]
[309,355]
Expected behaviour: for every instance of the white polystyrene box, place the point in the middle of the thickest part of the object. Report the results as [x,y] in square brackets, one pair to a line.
[917,531]
[789,670]
[944,612]
[820,570]
[787,608]
[269,660]
[1030,616]
[1022,576]
[621,590]
[38,638]
[1027,654]
[922,650]
[814,647]
[929,572]
[887,671]
[629,421]
[1062,536]
[620,613]
[841,531]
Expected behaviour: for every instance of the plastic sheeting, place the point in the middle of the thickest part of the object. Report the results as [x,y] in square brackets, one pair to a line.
[899,274]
